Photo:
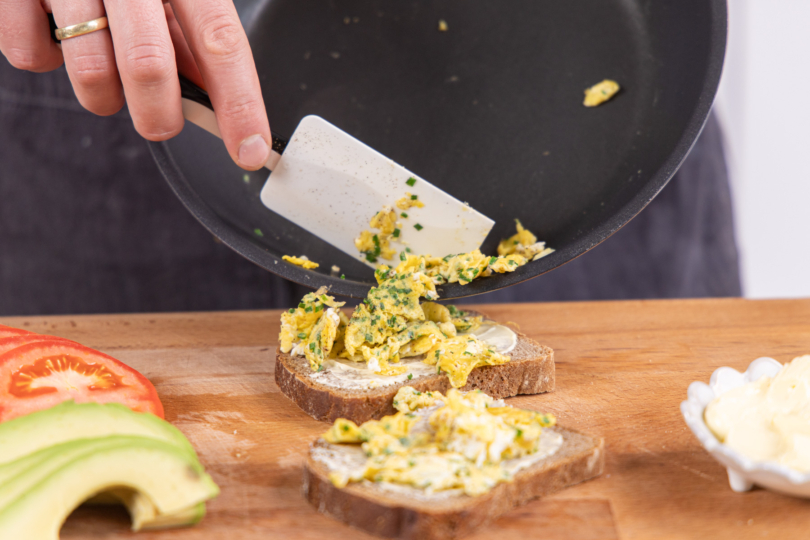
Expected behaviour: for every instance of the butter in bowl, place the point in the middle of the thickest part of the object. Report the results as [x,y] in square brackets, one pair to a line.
[756,423]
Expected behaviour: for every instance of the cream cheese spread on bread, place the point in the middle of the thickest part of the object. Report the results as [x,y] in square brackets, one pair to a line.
[351,461]
[501,337]
[344,373]
[461,443]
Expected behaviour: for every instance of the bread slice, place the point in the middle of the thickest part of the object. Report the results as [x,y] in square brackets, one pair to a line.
[398,514]
[530,371]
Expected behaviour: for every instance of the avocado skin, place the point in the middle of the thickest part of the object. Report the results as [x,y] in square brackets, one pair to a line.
[160,472]
[69,421]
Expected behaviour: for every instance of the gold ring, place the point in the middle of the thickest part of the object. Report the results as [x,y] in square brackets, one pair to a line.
[81,29]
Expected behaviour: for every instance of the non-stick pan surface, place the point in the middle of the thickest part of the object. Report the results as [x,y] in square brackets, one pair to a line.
[490,111]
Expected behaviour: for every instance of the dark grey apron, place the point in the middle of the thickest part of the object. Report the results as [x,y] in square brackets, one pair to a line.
[87,225]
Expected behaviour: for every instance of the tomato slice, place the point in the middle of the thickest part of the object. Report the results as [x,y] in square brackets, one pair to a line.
[42,374]
[8,343]
[7,331]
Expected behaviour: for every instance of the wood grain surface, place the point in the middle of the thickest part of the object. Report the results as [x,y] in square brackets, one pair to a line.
[622,372]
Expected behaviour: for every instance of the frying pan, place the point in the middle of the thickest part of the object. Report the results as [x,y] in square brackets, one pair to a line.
[489,110]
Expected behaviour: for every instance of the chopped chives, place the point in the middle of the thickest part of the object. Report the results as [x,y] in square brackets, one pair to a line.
[403,214]
[411,181]
[413,197]
[418,227]
[258,232]
[396,233]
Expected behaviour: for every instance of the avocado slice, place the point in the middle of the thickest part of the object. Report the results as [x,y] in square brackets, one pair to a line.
[161,473]
[18,475]
[32,469]
[146,517]
[69,421]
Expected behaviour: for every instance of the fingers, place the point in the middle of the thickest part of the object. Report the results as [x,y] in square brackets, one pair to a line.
[221,50]
[25,36]
[186,64]
[146,63]
[89,59]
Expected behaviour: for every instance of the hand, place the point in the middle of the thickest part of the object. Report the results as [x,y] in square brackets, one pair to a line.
[138,58]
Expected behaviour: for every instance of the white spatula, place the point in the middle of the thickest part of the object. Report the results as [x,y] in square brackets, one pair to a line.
[331,184]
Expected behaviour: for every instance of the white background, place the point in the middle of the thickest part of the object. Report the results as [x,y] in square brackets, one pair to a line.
[764,106]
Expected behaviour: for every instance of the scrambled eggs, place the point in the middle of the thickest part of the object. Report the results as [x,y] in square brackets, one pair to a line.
[301,261]
[409,201]
[513,252]
[436,442]
[379,245]
[599,93]
[463,268]
[391,324]
[313,327]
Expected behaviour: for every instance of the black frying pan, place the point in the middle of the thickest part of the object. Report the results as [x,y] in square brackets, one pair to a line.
[490,111]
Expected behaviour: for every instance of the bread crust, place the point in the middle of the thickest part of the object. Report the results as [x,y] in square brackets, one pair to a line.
[530,371]
[362,506]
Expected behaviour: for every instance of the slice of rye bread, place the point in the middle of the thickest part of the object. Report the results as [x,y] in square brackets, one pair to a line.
[393,514]
[530,371]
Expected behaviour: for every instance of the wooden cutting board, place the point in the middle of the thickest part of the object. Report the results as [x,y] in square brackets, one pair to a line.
[622,371]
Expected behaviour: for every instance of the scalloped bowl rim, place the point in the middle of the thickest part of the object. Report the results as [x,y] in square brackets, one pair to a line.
[743,472]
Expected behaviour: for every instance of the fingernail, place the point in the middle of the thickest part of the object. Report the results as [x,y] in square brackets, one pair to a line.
[253,152]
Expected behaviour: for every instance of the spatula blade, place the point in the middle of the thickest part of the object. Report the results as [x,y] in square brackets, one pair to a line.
[331,184]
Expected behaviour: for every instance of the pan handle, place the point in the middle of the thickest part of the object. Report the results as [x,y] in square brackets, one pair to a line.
[198,110]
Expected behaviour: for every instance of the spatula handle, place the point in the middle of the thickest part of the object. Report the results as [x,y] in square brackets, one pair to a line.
[197,109]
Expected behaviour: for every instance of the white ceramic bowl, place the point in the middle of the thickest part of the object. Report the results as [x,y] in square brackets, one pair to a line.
[743,473]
